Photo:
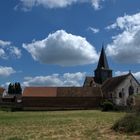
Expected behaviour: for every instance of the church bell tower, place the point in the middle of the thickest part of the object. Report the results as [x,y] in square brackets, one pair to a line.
[102,71]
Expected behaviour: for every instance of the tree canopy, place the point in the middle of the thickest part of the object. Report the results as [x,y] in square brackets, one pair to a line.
[14,88]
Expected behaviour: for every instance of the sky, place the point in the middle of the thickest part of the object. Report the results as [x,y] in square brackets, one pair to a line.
[58,42]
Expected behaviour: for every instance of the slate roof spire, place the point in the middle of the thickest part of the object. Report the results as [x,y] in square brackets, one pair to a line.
[102,72]
[103,60]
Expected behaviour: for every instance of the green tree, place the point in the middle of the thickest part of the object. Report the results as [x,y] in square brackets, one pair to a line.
[11,89]
[14,88]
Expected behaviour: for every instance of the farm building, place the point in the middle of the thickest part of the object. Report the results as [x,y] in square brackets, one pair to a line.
[43,98]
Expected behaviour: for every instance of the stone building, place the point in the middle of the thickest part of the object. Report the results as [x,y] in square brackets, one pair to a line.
[102,72]
[120,88]
[117,89]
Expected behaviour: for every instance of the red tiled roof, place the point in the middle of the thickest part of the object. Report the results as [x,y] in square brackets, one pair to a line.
[62,92]
[40,92]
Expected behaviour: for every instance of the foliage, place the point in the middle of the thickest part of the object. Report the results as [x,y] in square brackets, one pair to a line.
[129,123]
[14,88]
[107,106]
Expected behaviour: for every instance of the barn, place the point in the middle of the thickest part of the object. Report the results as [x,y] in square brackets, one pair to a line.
[55,98]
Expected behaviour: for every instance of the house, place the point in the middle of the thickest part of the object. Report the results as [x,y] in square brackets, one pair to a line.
[54,98]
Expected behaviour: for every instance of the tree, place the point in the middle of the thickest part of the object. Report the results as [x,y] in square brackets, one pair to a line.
[18,89]
[14,88]
[11,89]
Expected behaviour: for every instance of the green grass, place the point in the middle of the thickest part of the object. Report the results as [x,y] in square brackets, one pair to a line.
[60,125]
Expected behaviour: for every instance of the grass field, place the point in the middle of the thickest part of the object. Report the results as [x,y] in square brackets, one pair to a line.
[60,125]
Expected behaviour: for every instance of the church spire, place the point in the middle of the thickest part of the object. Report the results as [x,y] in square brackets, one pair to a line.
[102,71]
[102,64]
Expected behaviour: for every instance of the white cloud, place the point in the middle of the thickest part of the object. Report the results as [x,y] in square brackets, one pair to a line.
[27,5]
[136,74]
[96,4]
[94,30]
[6,71]
[62,48]
[4,43]
[5,85]
[14,51]
[118,73]
[67,79]
[2,53]
[125,47]
[8,50]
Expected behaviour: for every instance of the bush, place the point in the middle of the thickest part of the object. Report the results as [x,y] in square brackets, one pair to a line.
[129,123]
[107,106]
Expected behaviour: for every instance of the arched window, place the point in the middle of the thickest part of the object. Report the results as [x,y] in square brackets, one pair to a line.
[120,94]
[137,90]
[131,90]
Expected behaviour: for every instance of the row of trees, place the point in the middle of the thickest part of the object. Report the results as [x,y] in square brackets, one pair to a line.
[14,88]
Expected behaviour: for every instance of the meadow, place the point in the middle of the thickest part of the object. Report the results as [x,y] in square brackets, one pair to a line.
[61,125]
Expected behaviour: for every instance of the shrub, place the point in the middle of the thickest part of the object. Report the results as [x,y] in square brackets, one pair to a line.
[107,106]
[129,123]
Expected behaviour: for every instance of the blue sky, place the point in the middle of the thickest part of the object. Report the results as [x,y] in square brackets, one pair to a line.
[57,43]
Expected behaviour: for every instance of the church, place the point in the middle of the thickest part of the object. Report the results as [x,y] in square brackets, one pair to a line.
[116,89]
[95,89]
[102,86]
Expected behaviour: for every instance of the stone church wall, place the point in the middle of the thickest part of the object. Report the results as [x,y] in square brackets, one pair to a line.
[121,93]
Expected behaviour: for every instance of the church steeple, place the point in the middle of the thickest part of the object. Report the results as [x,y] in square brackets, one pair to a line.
[103,60]
[102,71]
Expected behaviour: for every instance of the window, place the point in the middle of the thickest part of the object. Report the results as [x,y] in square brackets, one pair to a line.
[137,90]
[120,94]
[131,90]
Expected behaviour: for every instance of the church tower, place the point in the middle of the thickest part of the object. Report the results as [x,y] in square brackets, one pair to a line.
[102,71]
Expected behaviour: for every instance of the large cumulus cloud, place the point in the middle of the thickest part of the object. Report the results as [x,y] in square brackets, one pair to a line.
[125,46]
[62,48]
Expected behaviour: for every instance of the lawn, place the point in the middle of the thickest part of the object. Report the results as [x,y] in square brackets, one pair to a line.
[60,125]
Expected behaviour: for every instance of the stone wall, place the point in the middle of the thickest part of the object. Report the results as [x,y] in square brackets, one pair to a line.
[54,103]
[123,89]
